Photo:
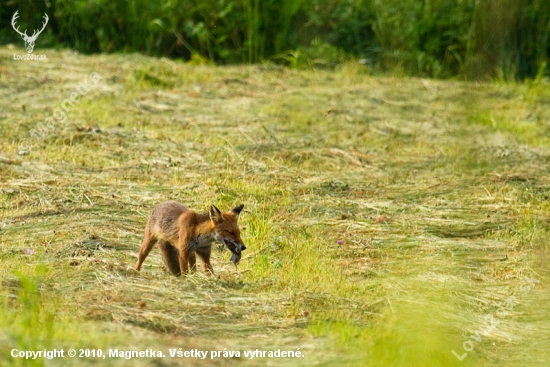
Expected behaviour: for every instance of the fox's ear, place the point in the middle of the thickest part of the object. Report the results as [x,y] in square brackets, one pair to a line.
[238,209]
[215,214]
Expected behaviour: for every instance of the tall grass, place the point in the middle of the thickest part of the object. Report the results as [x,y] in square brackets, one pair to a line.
[28,317]
[434,38]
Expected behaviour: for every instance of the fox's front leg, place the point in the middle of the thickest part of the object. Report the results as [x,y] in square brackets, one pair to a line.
[192,259]
[204,254]
[184,260]
[187,257]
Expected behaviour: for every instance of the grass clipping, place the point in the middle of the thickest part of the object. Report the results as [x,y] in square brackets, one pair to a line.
[384,218]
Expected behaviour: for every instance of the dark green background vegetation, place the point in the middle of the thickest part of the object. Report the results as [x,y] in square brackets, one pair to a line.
[433,38]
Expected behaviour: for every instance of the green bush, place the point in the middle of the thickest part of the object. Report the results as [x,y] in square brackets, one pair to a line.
[430,38]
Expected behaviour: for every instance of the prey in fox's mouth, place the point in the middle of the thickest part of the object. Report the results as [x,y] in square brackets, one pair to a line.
[236,249]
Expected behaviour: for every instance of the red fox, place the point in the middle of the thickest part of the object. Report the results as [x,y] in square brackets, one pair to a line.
[180,234]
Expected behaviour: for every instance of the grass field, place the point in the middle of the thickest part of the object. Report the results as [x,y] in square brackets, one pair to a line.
[389,221]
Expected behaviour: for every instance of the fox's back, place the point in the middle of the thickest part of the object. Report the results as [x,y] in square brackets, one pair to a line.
[163,222]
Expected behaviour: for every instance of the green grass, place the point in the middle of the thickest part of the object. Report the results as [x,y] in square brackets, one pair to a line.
[384,219]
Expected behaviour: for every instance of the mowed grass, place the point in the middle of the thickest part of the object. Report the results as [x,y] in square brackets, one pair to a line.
[387,220]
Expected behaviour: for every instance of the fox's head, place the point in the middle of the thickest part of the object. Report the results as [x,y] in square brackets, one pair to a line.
[226,230]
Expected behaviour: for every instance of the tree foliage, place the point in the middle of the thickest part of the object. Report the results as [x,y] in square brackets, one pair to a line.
[434,38]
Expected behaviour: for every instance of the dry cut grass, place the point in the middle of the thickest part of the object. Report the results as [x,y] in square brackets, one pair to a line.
[385,218]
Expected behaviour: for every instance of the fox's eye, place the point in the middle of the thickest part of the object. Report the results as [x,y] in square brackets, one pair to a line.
[231,233]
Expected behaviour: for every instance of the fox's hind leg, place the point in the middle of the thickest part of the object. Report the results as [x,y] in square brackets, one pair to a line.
[170,256]
[146,246]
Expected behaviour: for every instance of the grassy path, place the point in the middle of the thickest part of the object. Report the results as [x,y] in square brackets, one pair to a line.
[388,221]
